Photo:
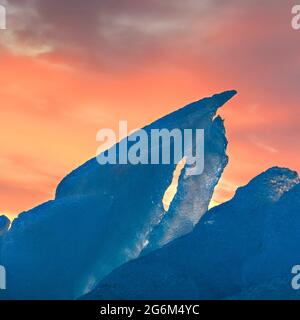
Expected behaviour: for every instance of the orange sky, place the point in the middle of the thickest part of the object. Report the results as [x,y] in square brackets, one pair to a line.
[66,72]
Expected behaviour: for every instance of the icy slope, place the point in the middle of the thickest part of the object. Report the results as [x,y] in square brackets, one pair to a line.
[103,216]
[4,225]
[268,275]
[213,261]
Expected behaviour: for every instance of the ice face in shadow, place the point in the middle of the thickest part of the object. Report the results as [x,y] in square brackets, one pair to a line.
[268,274]
[211,262]
[4,226]
[103,216]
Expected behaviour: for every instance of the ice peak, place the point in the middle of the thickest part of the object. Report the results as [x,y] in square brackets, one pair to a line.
[270,185]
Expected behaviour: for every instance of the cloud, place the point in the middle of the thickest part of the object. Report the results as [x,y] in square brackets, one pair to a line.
[106,33]
[254,139]
[243,43]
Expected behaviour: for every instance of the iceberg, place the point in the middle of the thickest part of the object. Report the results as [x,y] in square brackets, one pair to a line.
[268,274]
[103,216]
[247,244]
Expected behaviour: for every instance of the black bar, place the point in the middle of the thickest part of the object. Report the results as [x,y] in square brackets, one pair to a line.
[87,310]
